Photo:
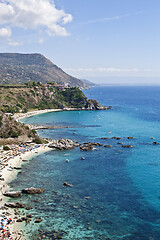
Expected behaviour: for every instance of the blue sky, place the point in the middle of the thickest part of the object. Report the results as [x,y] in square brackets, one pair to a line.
[109,41]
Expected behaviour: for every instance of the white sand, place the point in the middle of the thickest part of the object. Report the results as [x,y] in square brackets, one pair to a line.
[9,175]
[19,116]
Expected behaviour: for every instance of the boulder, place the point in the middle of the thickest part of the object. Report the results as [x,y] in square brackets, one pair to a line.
[86,147]
[17,168]
[29,216]
[32,190]
[14,205]
[29,208]
[19,220]
[89,146]
[13,194]
[38,220]
[63,144]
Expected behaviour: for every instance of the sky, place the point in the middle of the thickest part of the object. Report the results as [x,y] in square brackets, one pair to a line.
[105,41]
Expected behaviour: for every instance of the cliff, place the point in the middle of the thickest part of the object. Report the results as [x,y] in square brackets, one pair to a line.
[24,98]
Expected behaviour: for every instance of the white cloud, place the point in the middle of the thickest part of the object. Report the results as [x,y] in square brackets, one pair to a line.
[34,14]
[14,43]
[106,70]
[41,41]
[106,19]
[5,32]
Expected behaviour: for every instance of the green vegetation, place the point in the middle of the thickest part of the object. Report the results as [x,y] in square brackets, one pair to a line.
[37,96]
[71,97]
[6,148]
[9,128]
[1,120]
[37,140]
[31,91]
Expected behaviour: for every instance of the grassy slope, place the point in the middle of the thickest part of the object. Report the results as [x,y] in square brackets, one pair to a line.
[24,99]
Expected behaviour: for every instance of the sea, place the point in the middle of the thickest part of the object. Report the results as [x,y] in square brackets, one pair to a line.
[116,190]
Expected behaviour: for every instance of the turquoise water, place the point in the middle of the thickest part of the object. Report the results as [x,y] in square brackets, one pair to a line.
[122,183]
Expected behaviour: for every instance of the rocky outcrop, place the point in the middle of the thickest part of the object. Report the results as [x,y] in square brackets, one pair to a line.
[63,144]
[93,104]
[89,146]
[13,194]
[14,205]
[32,190]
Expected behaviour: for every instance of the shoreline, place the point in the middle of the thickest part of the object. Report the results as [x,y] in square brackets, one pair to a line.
[19,116]
[16,228]
[16,161]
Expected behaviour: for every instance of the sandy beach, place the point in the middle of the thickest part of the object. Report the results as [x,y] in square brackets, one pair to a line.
[15,158]
[19,116]
[9,160]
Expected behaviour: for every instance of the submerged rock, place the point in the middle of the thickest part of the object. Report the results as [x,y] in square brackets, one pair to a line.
[14,205]
[32,190]
[118,138]
[127,146]
[13,194]
[67,184]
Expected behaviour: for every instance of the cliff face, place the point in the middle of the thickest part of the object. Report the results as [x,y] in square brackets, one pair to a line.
[18,68]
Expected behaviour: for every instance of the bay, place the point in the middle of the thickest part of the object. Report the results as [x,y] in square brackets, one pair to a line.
[122,183]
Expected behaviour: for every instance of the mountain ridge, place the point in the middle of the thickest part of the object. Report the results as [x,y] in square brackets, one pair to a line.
[19,68]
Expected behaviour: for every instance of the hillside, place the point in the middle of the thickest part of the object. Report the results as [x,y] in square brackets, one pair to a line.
[89,83]
[18,68]
[9,128]
[37,97]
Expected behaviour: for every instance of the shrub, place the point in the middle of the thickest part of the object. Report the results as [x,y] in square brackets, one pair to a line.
[37,140]
[6,148]
[1,120]
[33,131]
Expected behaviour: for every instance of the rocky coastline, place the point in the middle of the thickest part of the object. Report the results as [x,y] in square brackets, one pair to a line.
[12,158]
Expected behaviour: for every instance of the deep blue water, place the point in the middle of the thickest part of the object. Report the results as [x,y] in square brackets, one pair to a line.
[123,183]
